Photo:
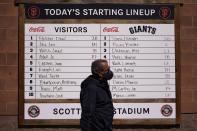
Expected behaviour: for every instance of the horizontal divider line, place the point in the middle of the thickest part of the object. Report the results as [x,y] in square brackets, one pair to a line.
[110,66]
[95,47]
[96,35]
[113,78]
[98,40]
[111,91]
[110,85]
[90,72]
[91,59]
[101,53]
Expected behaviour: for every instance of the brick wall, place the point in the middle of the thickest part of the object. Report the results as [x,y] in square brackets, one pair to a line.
[9,60]
[189,56]
[8,57]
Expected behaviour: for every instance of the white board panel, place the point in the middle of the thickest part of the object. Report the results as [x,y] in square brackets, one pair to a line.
[122,110]
[58,60]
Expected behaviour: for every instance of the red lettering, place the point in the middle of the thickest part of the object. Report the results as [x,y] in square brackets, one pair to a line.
[112,29]
[38,29]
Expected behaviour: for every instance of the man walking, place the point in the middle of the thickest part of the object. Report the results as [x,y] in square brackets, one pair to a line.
[96,100]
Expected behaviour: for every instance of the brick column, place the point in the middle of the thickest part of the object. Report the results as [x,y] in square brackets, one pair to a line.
[189,56]
[8,58]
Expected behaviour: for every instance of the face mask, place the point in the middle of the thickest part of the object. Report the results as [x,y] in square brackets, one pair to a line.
[108,75]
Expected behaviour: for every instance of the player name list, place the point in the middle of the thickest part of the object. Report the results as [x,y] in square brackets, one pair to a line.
[58,58]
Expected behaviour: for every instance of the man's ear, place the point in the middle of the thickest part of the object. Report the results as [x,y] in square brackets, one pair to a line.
[100,74]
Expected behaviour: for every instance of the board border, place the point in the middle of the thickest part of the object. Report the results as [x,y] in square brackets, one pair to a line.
[141,122]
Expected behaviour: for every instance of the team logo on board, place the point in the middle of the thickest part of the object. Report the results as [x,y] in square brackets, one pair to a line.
[33,12]
[33,111]
[166,110]
[165,12]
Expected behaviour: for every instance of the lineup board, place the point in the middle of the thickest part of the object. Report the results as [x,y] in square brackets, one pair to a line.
[57,57]
[57,62]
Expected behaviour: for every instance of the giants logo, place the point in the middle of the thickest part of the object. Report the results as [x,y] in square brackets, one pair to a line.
[164,12]
[33,12]
[33,111]
[166,110]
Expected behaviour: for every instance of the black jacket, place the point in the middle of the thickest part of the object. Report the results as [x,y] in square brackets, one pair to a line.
[96,104]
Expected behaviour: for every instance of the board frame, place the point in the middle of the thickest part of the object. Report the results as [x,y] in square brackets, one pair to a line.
[22,21]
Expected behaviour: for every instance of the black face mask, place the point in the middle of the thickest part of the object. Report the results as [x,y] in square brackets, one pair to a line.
[108,75]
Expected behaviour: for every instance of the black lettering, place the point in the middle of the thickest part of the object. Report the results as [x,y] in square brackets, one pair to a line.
[119,110]
[144,28]
[135,29]
[73,109]
[153,31]
[124,111]
[114,110]
[63,29]
[55,111]
[71,29]
[57,29]
[149,29]
[78,110]
[85,29]
[140,29]
[61,111]
[139,110]
[31,75]
[131,30]
[67,111]
[75,29]
[146,111]
[80,29]
[130,111]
